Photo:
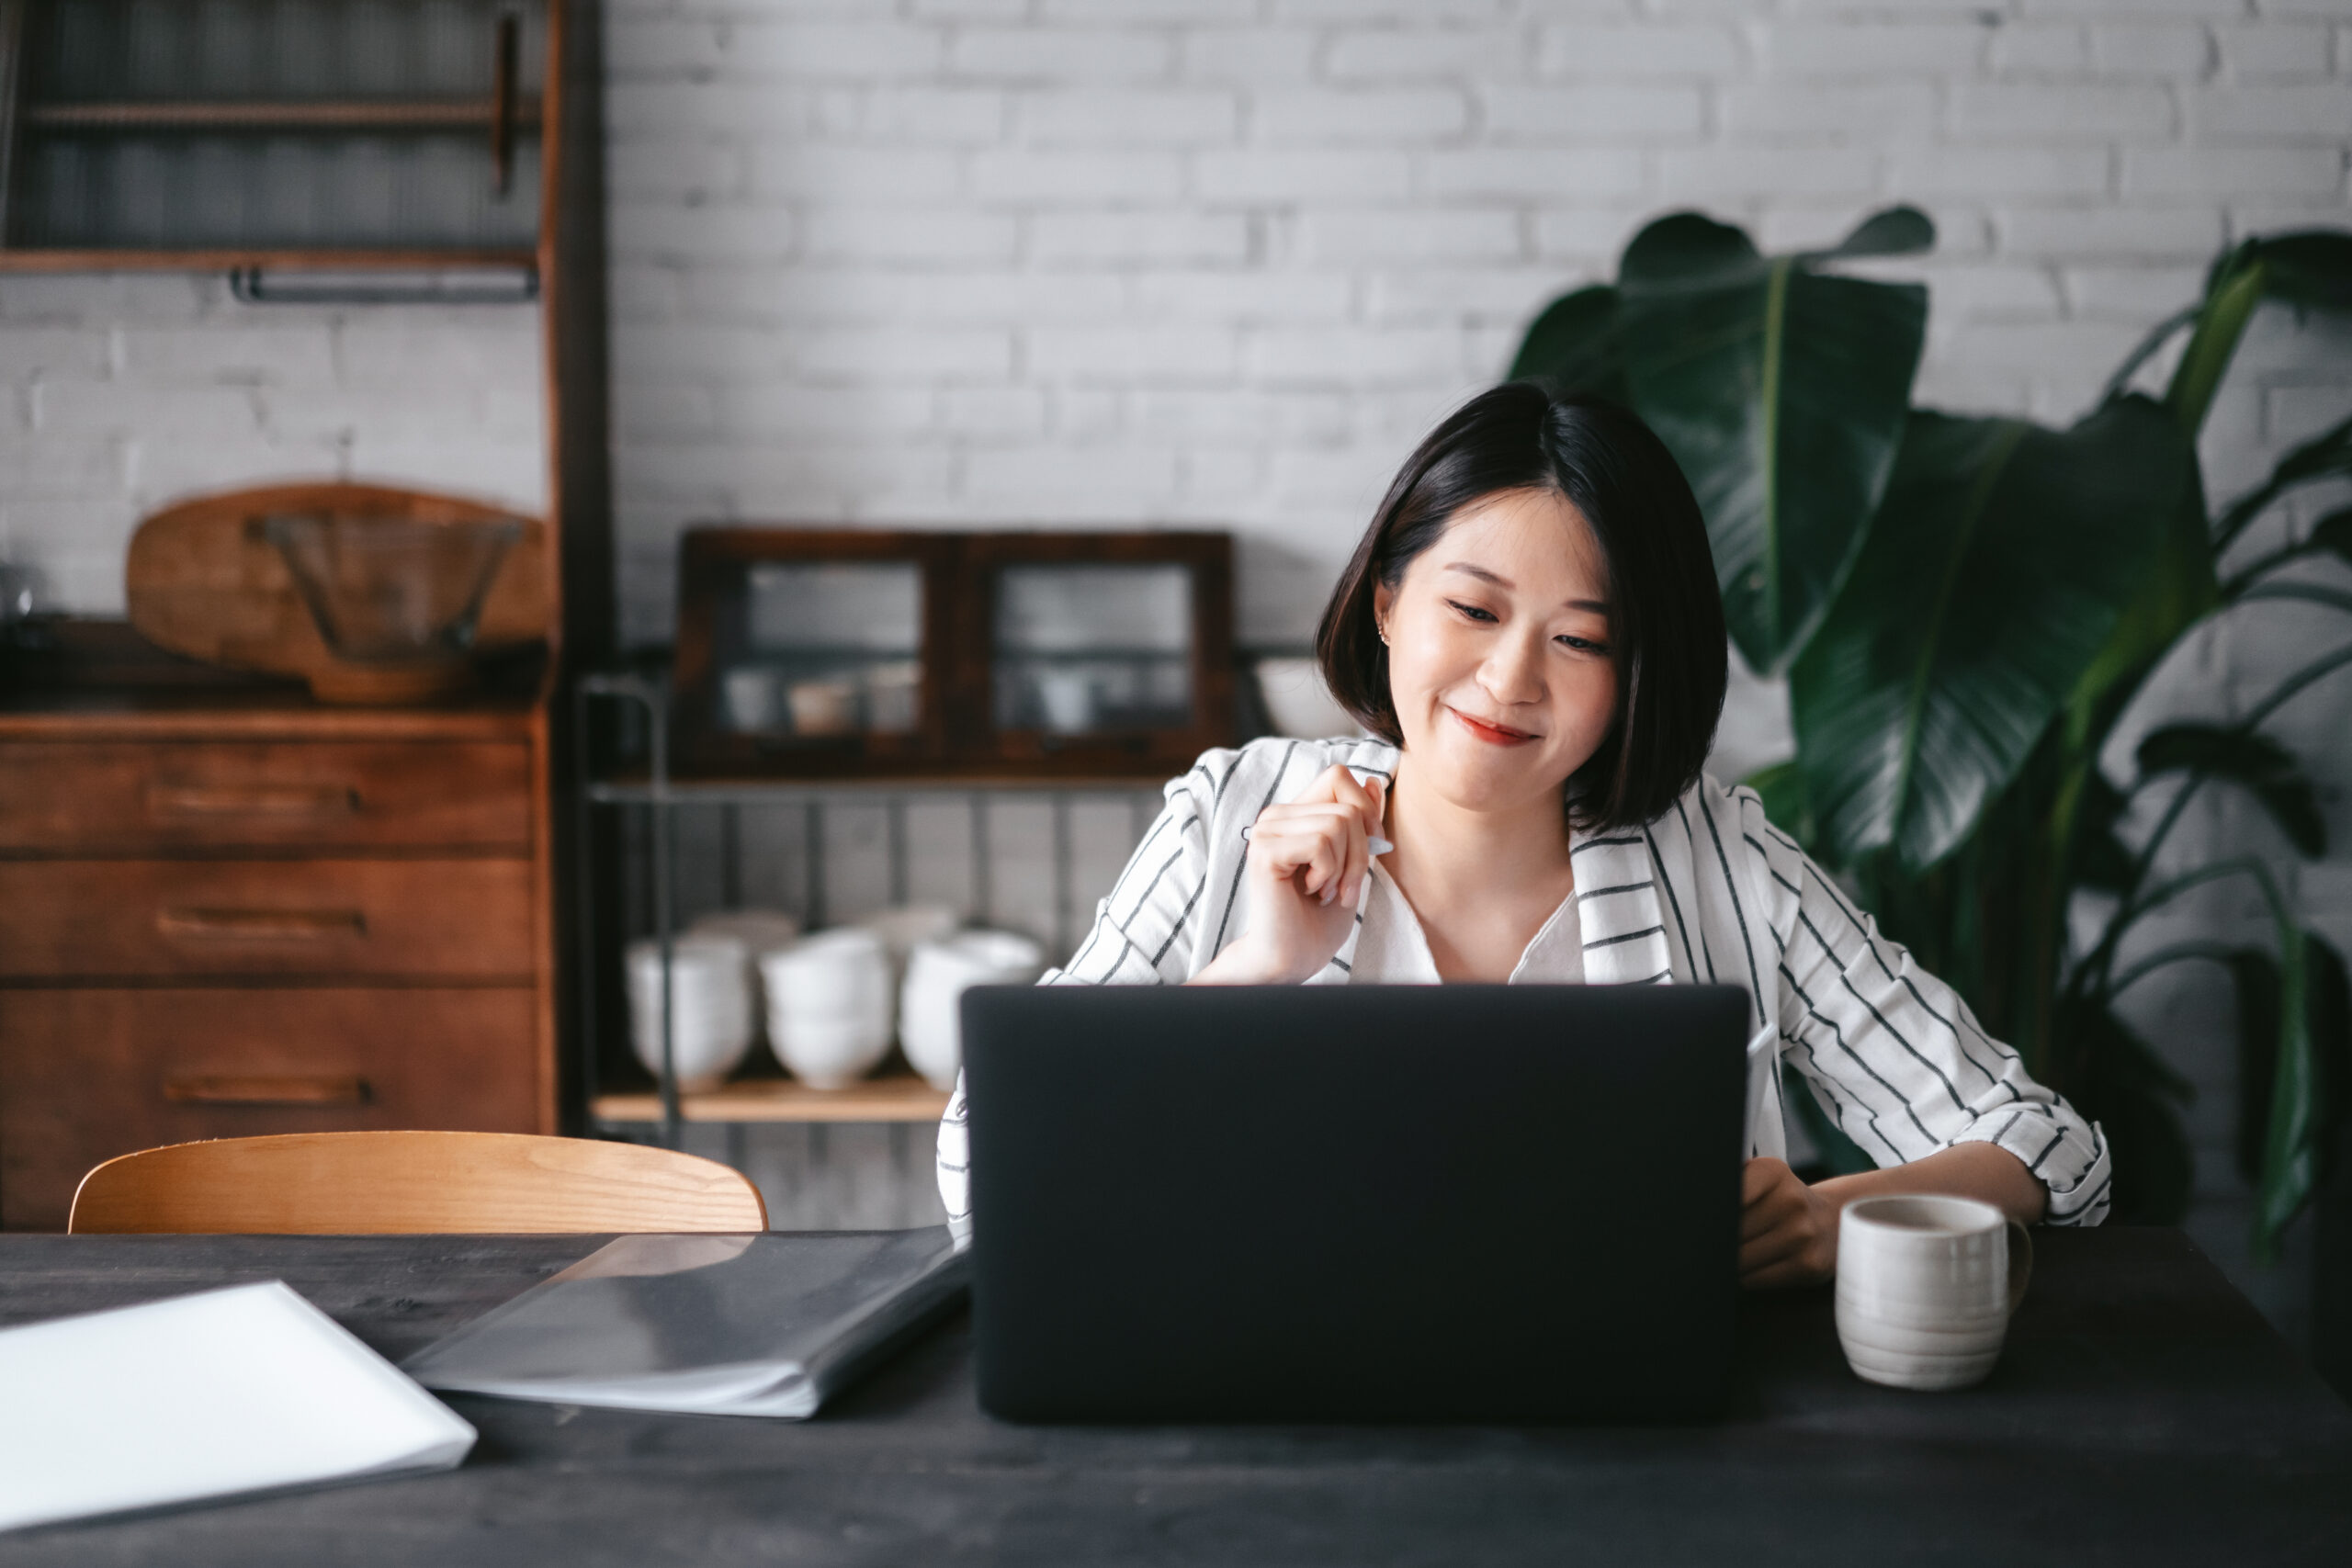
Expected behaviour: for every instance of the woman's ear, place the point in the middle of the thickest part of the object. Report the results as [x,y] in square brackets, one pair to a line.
[1384,599]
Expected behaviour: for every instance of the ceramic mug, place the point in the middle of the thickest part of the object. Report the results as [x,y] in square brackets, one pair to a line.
[930,1028]
[1924,1288]
[710,1008]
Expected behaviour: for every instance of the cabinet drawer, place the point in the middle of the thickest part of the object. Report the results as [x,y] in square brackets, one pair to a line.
[109,798]
[88,920]
[87,1075]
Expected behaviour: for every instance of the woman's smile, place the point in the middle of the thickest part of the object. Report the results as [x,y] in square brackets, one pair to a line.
[1492,733]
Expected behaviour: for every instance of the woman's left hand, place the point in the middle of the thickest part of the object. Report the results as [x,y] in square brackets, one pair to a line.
[1788,1232]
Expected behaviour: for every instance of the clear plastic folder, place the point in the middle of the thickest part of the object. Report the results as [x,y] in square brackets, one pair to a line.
[710,1324]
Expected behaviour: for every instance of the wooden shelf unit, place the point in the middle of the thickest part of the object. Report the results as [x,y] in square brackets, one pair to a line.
[895,1097]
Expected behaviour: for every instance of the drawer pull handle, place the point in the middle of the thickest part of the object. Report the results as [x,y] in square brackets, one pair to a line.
[267,925]
[239,1089]
[251,800]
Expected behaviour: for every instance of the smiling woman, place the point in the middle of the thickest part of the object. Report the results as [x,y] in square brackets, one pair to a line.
[1532,630]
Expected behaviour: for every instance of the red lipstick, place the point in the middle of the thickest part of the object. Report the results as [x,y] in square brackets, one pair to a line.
[1493,734]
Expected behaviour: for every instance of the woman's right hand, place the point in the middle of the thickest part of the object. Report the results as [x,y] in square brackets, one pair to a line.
[1308,861]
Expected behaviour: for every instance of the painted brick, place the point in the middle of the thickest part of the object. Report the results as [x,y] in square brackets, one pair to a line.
[43,353]
[1421,53]
[1252,296]
[2275,113]
[1584,232]
[1116,355]
[2072,111]
[2274,49]
[2040,49]
[1867,47]
[884,352]
[1382,116]
[944,113]
[1569,50]
[1020,54]
[915,235]
[842,51]
[1156,118]
[1594,112]
[854,176]
[1342,239]
[1268,174]
[1075,178]
[1897,109]
[1929,172]
[2177,53]
[1056,238]
[2232,172]
[1341,356]
[2162,231]
[2142,294]
[1550,174]
[1699,174]
[1247,54]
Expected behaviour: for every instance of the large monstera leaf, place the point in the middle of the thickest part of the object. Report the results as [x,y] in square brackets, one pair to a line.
[2001,563]
[1574,343]
[1781,390]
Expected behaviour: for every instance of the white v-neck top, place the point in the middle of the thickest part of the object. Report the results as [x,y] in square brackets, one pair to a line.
[1390,949]
[1711,891]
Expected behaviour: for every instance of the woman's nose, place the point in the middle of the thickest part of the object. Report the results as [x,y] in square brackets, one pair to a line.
[1514,672]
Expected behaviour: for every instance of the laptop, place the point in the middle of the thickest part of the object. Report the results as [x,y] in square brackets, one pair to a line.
[1358,1203]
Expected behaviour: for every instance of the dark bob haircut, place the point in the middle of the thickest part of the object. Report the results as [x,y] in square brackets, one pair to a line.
[1666,614]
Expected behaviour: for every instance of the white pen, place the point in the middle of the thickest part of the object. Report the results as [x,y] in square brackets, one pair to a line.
[1381,846]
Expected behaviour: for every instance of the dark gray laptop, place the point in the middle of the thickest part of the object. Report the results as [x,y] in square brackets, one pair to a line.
[1354,1203]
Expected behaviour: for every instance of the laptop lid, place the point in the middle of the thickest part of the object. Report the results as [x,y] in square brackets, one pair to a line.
[1354,1203]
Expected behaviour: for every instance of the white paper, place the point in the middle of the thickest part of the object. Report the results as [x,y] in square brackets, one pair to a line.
[246,1388]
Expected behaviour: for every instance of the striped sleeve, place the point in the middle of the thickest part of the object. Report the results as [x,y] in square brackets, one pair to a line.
[1893,1056]
[1144,934]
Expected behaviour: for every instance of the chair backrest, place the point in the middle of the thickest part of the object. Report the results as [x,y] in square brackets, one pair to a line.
[414,1183]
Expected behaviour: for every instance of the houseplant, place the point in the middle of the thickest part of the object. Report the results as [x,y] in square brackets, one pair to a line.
[1964,608]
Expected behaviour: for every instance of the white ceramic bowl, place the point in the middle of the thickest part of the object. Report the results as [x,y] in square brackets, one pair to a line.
[830,1006]
[710,1008]
[938,974]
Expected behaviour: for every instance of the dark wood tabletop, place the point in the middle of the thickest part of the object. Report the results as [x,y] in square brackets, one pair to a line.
[2143,1413]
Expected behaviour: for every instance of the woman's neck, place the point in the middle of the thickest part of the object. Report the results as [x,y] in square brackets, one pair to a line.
[1447,853]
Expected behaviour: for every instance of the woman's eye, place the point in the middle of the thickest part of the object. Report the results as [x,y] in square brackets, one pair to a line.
[1471,611]
[1581,645]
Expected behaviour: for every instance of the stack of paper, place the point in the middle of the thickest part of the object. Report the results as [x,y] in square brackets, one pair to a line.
[248,1389]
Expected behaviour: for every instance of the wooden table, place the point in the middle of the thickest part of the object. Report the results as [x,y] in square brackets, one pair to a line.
[2143,1415]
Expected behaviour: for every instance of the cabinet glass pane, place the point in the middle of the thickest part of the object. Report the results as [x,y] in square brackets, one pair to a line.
[825,649]
[1086,649]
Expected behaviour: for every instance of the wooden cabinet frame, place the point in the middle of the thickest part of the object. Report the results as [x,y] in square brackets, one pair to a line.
[956,736]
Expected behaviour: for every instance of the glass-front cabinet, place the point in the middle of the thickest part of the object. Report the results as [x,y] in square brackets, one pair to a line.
[839,652]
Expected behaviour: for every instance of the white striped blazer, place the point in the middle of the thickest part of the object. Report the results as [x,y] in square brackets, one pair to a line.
[1711,891]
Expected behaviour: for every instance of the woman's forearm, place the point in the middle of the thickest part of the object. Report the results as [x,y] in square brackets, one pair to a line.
[1984,1172]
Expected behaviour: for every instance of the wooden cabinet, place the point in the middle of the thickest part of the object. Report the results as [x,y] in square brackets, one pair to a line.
[220,919]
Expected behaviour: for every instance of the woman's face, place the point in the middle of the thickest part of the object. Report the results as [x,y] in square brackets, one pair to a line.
[1499,650]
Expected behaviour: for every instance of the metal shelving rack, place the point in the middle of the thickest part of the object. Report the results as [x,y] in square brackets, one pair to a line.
[899,1096]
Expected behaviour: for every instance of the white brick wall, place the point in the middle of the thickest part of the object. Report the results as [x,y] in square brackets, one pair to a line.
[121,393]
[1223,262]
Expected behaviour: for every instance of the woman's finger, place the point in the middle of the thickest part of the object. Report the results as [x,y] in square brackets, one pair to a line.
[1313,850]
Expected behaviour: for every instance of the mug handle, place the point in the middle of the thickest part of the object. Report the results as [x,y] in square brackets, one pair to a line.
[2020,1263]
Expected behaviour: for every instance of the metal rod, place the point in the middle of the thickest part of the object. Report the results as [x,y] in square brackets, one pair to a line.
[409,113]
[666,846]
[1064,873]
[583,704]
[983,892]
[894,823]
[812,863]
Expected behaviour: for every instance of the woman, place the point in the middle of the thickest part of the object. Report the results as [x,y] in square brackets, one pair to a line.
[1532,630]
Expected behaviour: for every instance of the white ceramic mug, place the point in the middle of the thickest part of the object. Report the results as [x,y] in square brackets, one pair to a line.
[937,976]
[1924,1288]
[829,1006]
[710,1008]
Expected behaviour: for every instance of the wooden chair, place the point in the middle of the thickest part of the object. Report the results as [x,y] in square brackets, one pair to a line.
[411,1183]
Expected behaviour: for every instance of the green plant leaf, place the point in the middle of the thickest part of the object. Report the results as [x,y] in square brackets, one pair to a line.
[2311,267]
[1781,391]
[1890,231]
[1782,789]
[2260,765]
[2314,1006]
[2255,975]
[2002,561]
[1573,345]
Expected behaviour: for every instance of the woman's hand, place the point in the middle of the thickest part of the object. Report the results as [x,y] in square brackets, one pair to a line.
[1308,861]
[1788,1232]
